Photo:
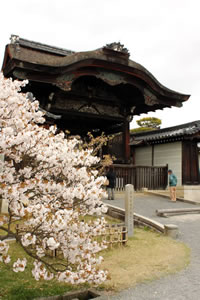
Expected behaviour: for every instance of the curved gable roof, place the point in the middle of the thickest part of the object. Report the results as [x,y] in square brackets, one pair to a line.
[111,65]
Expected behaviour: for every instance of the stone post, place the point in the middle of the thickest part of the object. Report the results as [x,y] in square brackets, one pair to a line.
[171,230]
[129,221]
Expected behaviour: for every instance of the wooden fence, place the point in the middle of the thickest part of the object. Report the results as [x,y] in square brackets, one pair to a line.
[153,178]
[115,234]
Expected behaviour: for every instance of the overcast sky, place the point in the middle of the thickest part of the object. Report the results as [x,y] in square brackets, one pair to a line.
[163,36]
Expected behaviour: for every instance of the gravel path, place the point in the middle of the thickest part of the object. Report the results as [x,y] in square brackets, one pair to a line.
[184,285]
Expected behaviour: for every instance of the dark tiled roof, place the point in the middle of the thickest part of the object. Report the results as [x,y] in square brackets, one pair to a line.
[167,133]
[35,61]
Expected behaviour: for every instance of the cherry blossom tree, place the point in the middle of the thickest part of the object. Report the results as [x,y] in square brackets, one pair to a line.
[51,184]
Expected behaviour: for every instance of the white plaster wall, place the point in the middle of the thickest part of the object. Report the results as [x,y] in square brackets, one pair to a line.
[143,156]
[171,154]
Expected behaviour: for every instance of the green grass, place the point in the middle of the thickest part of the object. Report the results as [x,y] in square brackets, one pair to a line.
[147,256]
[22,285]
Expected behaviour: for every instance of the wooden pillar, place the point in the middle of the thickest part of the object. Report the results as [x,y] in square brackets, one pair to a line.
[126,141]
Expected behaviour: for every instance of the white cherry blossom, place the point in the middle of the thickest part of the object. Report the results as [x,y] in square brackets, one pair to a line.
[52,244]
[28,239]
[51,184]
[19,265]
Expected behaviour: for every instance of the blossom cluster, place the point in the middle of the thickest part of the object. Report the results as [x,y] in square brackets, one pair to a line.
[50,183]
[4,257]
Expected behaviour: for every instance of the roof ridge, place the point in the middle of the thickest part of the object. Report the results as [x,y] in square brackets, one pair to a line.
[15,39]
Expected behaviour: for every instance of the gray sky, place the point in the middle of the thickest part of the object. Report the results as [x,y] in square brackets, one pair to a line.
[162,35]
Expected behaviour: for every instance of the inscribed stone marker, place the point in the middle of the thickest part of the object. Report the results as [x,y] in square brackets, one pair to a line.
[129,222]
